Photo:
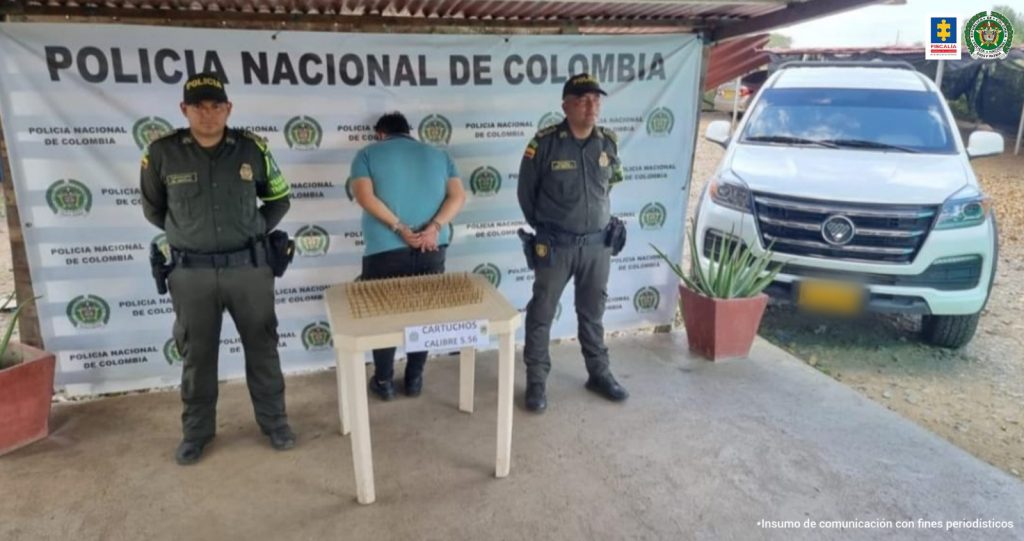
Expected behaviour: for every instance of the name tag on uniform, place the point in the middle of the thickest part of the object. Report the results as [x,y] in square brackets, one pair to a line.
[181,178]
[245,172]
[563,165]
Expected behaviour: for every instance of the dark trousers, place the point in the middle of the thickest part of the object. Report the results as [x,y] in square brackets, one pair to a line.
[588,266]
[395,264]
[200,297]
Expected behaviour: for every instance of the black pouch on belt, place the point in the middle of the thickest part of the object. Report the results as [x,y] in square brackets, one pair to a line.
[616,238]
[528,240]
[280,251]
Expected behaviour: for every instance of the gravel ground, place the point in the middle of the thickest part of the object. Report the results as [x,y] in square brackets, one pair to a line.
[973,397]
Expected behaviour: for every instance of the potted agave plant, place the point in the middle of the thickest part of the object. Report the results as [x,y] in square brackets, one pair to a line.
[26,388]
[722,303]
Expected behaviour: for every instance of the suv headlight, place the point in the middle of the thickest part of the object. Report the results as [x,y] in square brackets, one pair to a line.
[730,192]
[966,208]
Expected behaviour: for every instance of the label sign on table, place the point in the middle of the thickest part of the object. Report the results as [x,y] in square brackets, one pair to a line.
[449,336]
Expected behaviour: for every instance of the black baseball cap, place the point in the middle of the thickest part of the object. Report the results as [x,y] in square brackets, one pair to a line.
[204,86]
[581,84]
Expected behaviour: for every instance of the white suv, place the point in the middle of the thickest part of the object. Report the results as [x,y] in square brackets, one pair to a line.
[855,175]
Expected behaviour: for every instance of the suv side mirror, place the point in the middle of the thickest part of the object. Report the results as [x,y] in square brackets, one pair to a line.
[984,143]
[719,132]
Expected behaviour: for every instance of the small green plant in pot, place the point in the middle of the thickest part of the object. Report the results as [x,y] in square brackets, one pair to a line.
[723,303]
[26,387]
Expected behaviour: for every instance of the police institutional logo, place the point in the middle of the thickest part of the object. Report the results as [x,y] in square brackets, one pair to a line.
[69,197]
[646,299]
[316,336]
[489,271]
[171,353]
[550,119]
[88,312]
[149,129]
[988,36]
[485,181]
[303,133]
[653,216]
[435,130]
[660,122]
[312,241]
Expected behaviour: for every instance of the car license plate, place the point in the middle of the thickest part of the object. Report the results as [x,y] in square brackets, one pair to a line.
[830,297]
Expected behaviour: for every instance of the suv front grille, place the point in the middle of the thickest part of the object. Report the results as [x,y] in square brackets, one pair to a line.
[882,233]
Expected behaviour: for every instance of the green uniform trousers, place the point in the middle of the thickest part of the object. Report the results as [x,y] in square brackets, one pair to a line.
[200,297]
[588,266]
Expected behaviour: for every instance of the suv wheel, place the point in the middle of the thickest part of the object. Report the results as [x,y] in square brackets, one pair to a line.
[949,331]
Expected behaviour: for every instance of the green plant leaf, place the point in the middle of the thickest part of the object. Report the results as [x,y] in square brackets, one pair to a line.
[10,326]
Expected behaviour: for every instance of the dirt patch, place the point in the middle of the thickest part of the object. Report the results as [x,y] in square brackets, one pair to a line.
[973,397]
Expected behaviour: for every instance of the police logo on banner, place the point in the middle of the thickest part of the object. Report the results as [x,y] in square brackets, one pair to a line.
[88,312]
[316,336]
[162,245]
[646,300]
[69,197]
[171,353]
[660,122]
[550,119]
[435,130]
[312,241]
[485,181]
[489,271]
[303,133]
[988,36]
[149,129]
[652,216]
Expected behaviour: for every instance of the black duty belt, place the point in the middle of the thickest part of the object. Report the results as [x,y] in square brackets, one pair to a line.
[246,257]
[570,239]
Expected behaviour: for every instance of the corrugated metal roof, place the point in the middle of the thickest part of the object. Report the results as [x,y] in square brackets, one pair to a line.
[513,10]
[735,57]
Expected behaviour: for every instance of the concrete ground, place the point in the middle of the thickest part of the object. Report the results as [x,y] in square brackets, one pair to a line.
[700,451]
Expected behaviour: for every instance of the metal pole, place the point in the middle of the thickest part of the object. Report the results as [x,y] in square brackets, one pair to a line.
[735,104]
[1020,132]
[939,73]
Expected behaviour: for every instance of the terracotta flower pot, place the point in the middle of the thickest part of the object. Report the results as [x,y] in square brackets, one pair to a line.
[26,390]
[721,329]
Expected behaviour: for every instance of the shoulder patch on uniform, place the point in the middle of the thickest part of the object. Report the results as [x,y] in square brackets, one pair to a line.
[546,132]
[531,149]
[256,138]
[609,134]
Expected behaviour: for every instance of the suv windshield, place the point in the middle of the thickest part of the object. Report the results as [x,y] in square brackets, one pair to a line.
[897,120]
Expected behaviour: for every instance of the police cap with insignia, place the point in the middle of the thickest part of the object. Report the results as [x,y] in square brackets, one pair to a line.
[205,86]
[581,84]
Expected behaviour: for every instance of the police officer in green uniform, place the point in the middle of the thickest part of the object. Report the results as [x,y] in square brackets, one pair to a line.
[565,177]
[200,185]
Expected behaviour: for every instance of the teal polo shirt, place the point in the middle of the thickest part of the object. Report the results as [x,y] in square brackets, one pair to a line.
[411,178]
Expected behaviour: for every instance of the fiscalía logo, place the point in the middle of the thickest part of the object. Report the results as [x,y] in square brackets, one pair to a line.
[485,181]
[149,129]
[944,39]
[489,271]
[660,122]
[69,197]
[435,130]
[312,241]
[646,299]
[988,36]
[317,336]
[303,133]
[162,245]
[652,216]
[171,353]
[88,312]
[550,119]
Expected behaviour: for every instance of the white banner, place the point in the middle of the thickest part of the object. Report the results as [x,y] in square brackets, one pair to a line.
[78,104]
